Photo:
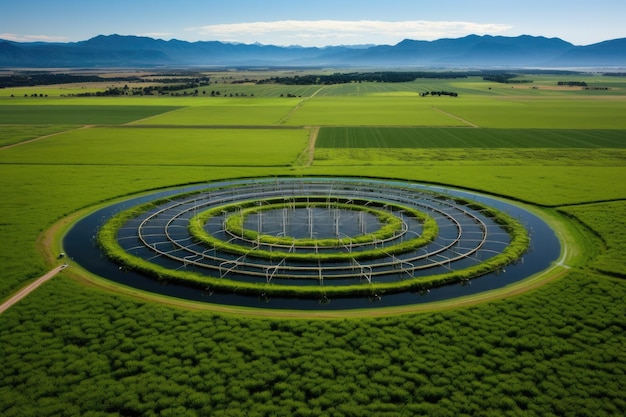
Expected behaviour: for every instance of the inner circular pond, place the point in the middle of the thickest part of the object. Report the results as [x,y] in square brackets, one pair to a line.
[312,222]
[390,247]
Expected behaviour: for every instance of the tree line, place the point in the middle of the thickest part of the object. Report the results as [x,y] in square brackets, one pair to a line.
[44,78]
[573,83]
[381,76]
[439,93]
[504,78]
[30,80]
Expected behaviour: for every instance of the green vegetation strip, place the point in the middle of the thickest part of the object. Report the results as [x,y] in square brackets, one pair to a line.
[393,224]
[519,244]
[77,114]
[448,138]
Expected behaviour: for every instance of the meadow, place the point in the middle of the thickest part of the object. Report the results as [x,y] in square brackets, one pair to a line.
[80,346]
[441,138]
[228,111]
[146,146]
[371,111]
[77,113]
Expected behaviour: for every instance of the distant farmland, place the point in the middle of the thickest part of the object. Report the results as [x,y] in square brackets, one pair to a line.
[401,137]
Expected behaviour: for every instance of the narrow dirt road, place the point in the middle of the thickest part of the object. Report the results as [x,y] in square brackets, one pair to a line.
[30,288]
[310,150]
[44,137]
[454,116]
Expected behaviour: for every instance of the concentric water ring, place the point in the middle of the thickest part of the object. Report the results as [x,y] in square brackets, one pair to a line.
[440,240]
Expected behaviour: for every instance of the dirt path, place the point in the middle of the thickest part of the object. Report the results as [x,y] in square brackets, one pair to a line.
[30,288]
[297,107]
[315,130]
[140,121]
[455,117]
[44,137]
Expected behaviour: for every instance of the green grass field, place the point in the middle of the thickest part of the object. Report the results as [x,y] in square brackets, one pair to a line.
[76,113]
[380,138]
[164,146]
[540,112]
[229,111]
[371,111]
[11,134]
[78,348]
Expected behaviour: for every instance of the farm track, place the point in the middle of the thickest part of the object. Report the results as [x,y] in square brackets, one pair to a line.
[30,288]
[151,117]
[298,106]
[310,149]
[456,117]
[44,137]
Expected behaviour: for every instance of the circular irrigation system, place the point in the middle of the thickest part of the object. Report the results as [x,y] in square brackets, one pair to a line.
[313,243]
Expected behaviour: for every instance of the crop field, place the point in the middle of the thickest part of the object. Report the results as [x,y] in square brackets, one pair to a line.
[358,137]
[541,113]
[73,114]
[230,111]
[81,346]
[164,146]
[371,111]
[608,220]
[10,134]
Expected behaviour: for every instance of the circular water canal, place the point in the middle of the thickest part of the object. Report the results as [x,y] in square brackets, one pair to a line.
[313,243]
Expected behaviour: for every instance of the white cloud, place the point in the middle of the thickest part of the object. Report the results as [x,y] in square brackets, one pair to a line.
[157,35]
[31,38]
[336,32]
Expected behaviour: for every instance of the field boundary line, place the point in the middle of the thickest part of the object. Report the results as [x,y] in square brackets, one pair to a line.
[153,116]
[182,126]
[456,117]
[297,107]
[30,288]
[44,137]
[317,91]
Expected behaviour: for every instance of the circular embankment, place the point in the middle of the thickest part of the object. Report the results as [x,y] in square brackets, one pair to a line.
[314,242]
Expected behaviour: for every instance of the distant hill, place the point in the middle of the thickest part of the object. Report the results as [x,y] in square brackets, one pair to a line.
[469,51]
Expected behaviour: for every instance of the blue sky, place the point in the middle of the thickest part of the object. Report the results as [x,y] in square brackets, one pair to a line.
[311,22]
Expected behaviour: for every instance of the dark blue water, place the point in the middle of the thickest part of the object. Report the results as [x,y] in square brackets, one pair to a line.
[314,222]
[81,246]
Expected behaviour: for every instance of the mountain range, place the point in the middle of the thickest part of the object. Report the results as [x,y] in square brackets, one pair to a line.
[469,51]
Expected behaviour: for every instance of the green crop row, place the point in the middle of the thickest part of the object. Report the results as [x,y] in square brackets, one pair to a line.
[238,112]
[428,138]
[476,111]
[12,134]
[77,114]
[370,111]
[541,112]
